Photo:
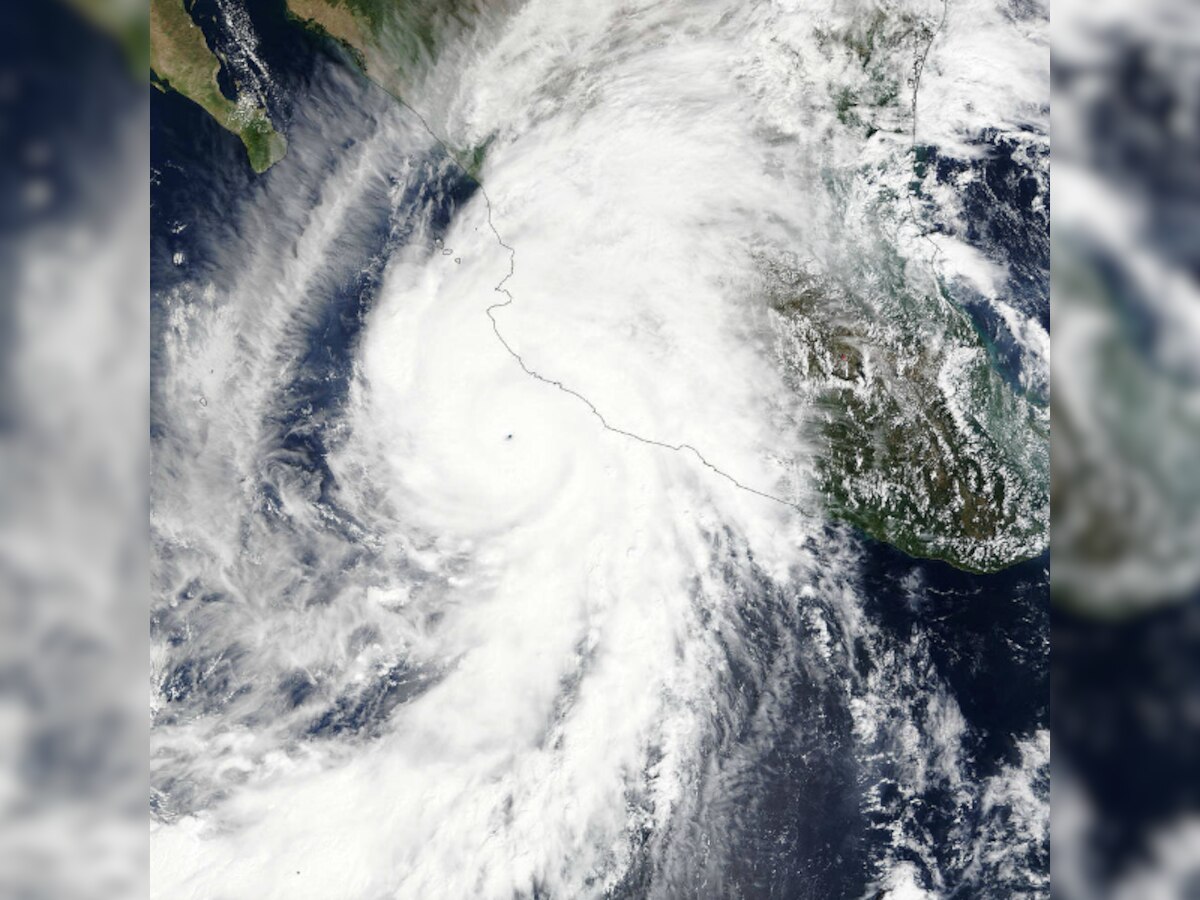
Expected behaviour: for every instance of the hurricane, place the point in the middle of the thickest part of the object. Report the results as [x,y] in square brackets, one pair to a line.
[605,456]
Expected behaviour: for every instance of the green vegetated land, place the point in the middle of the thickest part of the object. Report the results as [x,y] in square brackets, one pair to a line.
[923,443]
[395,42]
[876,88]
[392,40]
[181,60]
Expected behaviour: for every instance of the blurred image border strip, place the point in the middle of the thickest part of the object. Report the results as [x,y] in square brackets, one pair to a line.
[74,326]
[1125,671]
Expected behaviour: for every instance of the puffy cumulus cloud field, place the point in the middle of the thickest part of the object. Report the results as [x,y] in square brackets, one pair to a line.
[494,552]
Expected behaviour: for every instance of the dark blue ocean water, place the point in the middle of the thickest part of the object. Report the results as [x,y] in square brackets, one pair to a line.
[202,178]
[202,191]
[791,818]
